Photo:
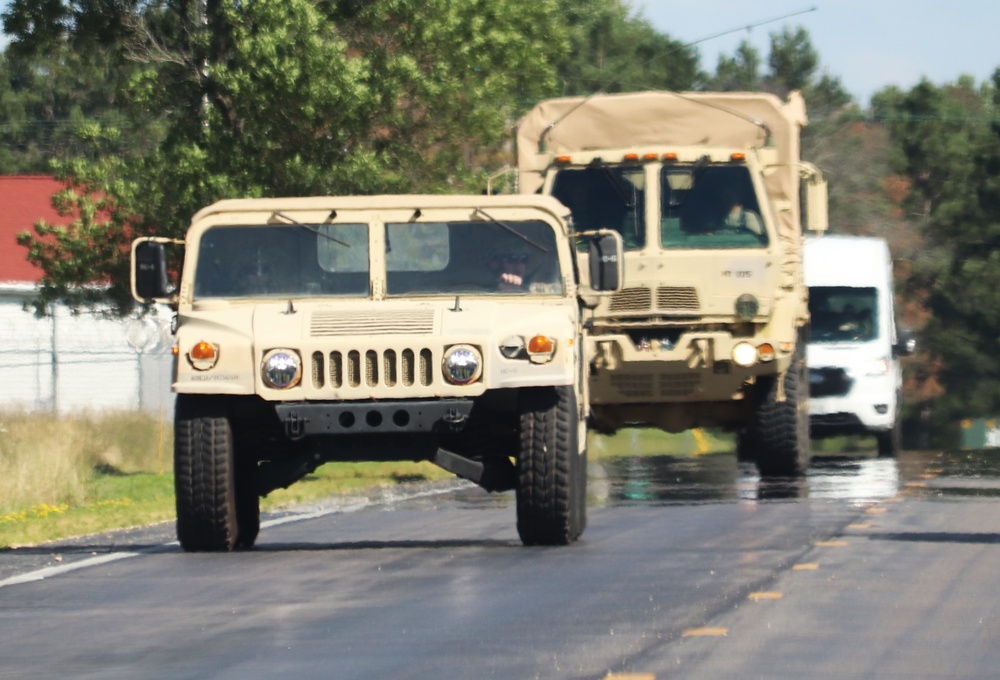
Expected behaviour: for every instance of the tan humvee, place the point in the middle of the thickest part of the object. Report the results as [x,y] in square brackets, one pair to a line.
[441,328]
[710,327]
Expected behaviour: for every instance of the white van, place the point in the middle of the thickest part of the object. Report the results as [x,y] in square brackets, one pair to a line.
[853,353]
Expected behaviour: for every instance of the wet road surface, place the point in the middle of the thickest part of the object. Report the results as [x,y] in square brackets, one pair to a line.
[691,567]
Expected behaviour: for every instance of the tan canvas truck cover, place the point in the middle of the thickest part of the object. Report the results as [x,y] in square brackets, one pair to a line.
[730,120]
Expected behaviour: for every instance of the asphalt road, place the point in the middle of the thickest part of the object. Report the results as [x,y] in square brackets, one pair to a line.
[688,568]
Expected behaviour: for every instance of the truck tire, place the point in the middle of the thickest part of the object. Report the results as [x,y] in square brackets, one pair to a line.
[204,476]
[551,485]
[782,428]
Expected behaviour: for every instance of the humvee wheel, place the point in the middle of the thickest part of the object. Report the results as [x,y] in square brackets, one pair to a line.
[551,487]
[782,430]
[247,506]
[204,476]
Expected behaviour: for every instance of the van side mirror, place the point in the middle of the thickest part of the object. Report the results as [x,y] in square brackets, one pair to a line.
[606,262]
[149,271]
[906,344]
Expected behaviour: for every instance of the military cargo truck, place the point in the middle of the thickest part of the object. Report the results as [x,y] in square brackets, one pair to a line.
[439,328]
[711,324]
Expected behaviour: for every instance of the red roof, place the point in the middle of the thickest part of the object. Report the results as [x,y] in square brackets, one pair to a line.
[24,200]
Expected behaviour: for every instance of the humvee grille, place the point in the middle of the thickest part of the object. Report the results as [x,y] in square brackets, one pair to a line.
[632,300]
[369,368]
[676,298]
[398,322]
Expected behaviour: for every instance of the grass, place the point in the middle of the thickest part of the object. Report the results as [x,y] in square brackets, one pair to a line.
[88,473]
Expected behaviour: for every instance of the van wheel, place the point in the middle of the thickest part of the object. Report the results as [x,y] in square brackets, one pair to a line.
[783,427]
[551,485]
[890,443]
[204,476]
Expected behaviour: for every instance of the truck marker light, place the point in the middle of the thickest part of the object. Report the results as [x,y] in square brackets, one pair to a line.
[649,156]
[766,351]
[204,355]
[630,157]
[563,160]
[540,349]
[737,156]
[670,156]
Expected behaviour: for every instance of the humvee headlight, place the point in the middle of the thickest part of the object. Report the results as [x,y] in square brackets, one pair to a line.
[204,355]
[540,349]
[462,364]
[512,346]
[746,307]
[744,354]
[281,369]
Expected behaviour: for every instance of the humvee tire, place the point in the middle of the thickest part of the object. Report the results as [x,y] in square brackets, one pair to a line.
[247,506]
[782,430]
[551,488]
[204,476]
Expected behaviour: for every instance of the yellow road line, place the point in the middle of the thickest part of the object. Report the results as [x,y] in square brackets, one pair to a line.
[805,566]
[706,631]
[764,595]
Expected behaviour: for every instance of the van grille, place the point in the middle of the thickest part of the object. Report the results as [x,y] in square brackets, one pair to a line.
[371,368]
[397,322]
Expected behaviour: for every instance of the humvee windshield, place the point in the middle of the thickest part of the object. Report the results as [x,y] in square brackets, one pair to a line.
[471,257]
[709,207]
[605,197]
[321,260]
[842,314]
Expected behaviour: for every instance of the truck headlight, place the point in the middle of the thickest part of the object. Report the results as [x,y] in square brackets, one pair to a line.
[462,364]
[281,369]
[744,354]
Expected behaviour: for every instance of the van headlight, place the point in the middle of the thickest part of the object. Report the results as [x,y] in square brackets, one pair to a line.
[462,364]
[281,369]
[878,366]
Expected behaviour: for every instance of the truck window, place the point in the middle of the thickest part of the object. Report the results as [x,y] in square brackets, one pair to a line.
[710,207]
[605,197]
[472,257]
[282,261]
[843,314]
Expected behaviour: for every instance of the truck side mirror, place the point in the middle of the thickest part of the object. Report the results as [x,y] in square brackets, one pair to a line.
[606,261]
[817,215]
[149,270]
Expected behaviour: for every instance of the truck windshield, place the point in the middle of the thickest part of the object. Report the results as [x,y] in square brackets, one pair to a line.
[605,197]
[709,207]
[281,261]
[449,258]
[842,314]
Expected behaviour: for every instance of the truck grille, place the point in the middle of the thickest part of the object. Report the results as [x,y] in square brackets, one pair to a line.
[397,322]
[676,298]
[632,300]
[678,385]
[667,298]
[371,368]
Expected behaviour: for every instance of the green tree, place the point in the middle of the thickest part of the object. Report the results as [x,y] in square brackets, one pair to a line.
[613,50]
[283,97]
[948,141]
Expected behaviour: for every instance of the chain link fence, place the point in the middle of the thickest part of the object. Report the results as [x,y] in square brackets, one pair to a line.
[65,362]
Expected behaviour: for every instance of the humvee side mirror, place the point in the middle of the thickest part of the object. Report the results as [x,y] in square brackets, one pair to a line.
[149,271]
[606,262]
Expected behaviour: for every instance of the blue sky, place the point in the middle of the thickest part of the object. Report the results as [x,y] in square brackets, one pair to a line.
[868,44]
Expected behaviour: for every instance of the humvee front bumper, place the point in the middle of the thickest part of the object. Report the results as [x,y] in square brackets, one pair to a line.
[301,419]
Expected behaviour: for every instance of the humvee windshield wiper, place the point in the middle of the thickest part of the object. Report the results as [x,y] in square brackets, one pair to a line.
[511,230]
[311,228]
[616,183]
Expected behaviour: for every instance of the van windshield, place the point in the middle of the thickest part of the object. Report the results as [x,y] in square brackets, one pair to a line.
[842,314]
